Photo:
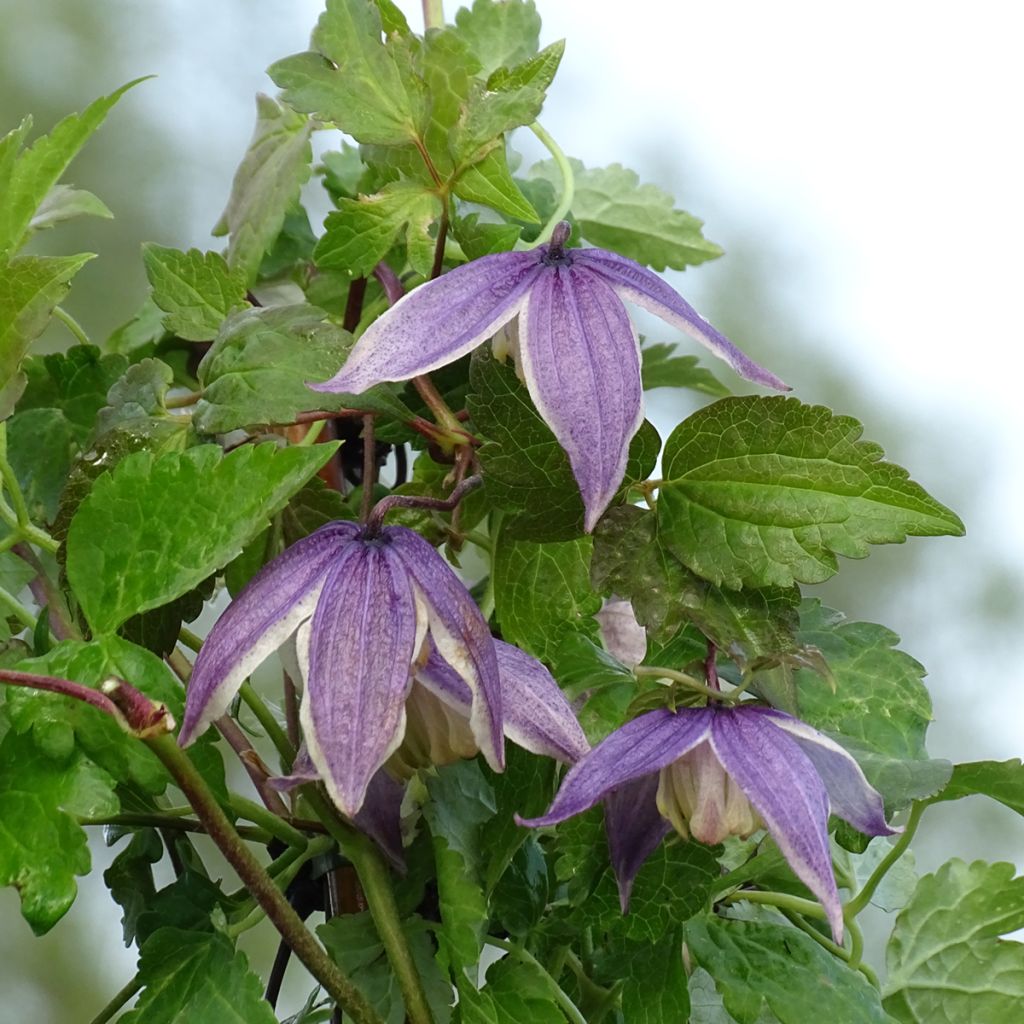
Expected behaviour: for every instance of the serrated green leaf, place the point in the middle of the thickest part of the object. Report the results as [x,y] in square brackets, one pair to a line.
[481,239]
[198,977]
[361,232]
[756,965]
[365,87]
[130,878]
[946,958]
[767,491]
[899,881]
[1000,780]
[27,178]
[706,1005]
[141,333]
[30,286]
[489,181]
[163,548]
[292,251]
[41,443]
[526,471]
[542,592]
[63,203]
[614,211]
[355,946]
[266,185]
[661,368]
[137,403]
[880,701]
[655,989]
[461,802]
[42,847]
[196,290]
[486,118]
[256,371]
[591,675]
[538,71]
[514,992]
[500,34]
[58,724]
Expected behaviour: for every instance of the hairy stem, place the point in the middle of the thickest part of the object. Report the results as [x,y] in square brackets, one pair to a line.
[857,903]
[165,821]
[369,467]
[568,185]
[434,401]
[781,900]
[385,505]
[71,324]
[433,14]
[259,883]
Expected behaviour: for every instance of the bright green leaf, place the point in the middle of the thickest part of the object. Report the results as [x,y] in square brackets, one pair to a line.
[1000,780]
[655,989]
[765,491]
[196,290]
[256,371]
[538,71]
[266,185]
[41,443]
[180,518]
[42,847]
[662,369]
[500,34]
[483,238]
[947,959]
[489,181]
[591,675]
[62,203]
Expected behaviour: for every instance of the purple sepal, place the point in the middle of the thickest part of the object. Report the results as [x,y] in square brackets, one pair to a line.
[634,827]
[380,817]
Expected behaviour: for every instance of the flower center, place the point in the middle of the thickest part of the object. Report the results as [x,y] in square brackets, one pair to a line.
[435,734]
[555,254]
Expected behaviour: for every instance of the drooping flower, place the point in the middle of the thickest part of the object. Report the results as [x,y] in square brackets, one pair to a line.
[577,349]
[718,771]
[361,605]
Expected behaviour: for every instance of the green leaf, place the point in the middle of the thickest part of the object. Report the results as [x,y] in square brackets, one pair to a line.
[488,115]
[41,443]
[614,211]
[489,181]
[662,369]
[62,203]
[946,958]
[767,491]
[130,878]
[1000,780]
[138,404]
[461,802]
[58,724]
[257,369]
[354,945]
[500,34]
[30,286]
[482,238]
[655,989]
[266,185]
[706,1005]
[542,592]
[363,231]
[196,290]
[756,965]
[366,88]
[538,71]
[514,993]
[163,548]
[27,178]
[198,977]
[880,701]
[526,471]
[42,847]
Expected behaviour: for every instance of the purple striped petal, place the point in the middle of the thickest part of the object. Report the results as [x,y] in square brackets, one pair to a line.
[303,771]
[643,287]
[443,681]
[270,608]
[641,747]
[380,817]
[537,715]
[460,634]
[580,359]
[438,322]
[783,786]
[365,633]
[850,794]
[635,827]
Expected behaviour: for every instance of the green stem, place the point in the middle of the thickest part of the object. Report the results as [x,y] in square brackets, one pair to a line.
[856,942]
[71,324]
[259,883]
[115,1004]
[781,900]
[191,640]
[380,897]
[309,438]
[526,957]
[855,905]
[433,14]
[568,185]
[826,943]
[435,402]
[14,607]
[271,726]
[591,992]
[272,823]
[161,820]
[689,682]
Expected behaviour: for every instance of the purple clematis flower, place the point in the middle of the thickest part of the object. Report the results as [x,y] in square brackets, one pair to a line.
[717,771]
[361,605]
[577,350]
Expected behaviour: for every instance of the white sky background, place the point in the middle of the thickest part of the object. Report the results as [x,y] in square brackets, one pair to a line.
[879,142]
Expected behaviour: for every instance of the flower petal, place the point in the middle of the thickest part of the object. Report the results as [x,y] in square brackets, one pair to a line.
[537,715]
[380,817]
[581,362]
[259,620]
[643,287]
[783,786]
[641,747]
[438,322]
[365,632]
[635,827]
[460,634]
[850,794]
[443,681]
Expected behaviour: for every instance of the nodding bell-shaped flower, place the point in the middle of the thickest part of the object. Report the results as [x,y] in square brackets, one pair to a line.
[362,604]
[718,771]
[577,350]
